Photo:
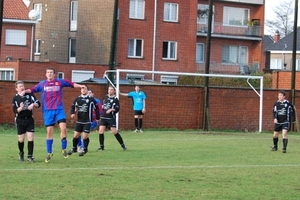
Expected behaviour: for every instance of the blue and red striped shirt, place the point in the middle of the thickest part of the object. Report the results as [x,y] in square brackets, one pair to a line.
[51,93]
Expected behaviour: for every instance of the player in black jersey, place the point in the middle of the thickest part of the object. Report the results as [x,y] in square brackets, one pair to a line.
[23,106]
[84,105]
[282,112]
[111,107]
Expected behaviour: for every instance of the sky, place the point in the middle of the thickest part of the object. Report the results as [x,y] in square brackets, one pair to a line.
[269,14]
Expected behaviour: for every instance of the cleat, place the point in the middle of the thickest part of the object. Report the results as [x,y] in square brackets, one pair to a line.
[65,153]
[49,156]
[101,149]
[136,131]
[82,153]
[124,147]
[274,148]
[140,130]
[30,159]
[283,150]
[71,152]
[21,156]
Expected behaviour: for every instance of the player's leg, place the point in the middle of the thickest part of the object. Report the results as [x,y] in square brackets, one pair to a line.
[277,129]
[117,134]
[30,139]
[21,137]
[136,122]
[49,121]
[75,139]
[102,127]
[141,122]
[61,120]
[285,137]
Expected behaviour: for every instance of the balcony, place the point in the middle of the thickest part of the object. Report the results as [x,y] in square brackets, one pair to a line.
[259,2]
[242,32]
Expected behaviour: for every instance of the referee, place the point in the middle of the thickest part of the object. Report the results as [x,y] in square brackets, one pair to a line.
[23,105]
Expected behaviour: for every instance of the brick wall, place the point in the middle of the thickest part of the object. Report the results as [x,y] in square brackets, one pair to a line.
[171,107]
[283,80]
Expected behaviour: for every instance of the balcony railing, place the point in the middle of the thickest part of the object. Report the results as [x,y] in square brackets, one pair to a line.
[219,28]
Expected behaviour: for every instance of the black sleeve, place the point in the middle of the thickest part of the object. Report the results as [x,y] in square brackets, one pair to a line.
[73,107]
[117,105]
[35,100]
[14,105]
[96,108]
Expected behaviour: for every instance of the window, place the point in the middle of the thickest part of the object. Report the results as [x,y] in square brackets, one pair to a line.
[169,50]
[137,9]
[135,76]
[276,64]
[80,75]
[73,15]
[297,64]
[171,12]
[199,53]
[60,75]
[72,50]
[135,47]
[37,47]
[203,14]
[7,74]
[15,37]
[235,55]
[38,7]
[235,16]
[170,80]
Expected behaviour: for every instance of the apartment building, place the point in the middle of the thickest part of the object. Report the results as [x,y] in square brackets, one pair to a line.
[152,35]
[73,31]
[171,35]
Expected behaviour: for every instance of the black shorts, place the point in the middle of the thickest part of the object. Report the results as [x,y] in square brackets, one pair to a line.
[25,125]
[108,122]
[279,127]
[138,112]
[83,127]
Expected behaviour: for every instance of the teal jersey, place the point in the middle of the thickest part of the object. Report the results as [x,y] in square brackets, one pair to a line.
[138,99]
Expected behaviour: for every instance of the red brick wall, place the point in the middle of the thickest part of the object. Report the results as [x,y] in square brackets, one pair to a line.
[283,80]
[171,107]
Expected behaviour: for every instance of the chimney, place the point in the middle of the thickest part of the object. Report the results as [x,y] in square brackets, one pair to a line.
[276,36]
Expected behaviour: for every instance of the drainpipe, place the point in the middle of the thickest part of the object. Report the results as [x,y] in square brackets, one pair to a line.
[154,39]
[32,37]
[1,20]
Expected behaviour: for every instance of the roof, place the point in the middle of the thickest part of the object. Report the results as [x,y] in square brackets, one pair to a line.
[267,41]
[15,9]
[286,43]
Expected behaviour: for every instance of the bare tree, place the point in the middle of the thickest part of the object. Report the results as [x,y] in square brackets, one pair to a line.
[284,20]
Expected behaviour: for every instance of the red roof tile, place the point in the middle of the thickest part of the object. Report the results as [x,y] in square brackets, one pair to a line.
[15,9]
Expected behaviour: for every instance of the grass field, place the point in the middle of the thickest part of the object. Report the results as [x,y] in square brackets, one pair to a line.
[157,165]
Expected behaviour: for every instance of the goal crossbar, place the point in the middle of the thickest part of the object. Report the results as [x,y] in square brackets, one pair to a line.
[260,93]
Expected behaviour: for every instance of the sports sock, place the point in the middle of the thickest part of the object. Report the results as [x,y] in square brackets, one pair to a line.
[141,123]
[101,140]
[79,141]
[86,142]
[30,146]
[64,143]
[285,142]
[49,143]
[21,146]
[136,123]
[75,143]
[119,138]
[275,141]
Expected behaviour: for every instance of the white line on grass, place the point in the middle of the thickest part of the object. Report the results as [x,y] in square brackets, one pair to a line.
[151,167]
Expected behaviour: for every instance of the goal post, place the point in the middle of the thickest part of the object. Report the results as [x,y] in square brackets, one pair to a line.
[259,93]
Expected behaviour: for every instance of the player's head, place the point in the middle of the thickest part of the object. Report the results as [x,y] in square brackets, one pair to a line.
[281,95]
[111,90]
[50,73]
[137,88]
[19,85]
[90,92]
[84,90]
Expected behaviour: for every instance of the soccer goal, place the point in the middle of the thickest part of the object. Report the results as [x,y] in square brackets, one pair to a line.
[163,77]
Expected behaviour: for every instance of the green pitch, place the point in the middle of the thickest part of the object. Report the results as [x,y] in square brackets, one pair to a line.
[157,165]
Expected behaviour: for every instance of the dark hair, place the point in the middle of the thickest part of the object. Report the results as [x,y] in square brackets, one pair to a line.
[18,82]
[282,92]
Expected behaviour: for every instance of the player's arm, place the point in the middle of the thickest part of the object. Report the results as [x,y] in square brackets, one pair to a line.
[124,94]
[144,106]
[15,108]
[73,109]
[78,85]
[116,106]
[35,101]
[96,108]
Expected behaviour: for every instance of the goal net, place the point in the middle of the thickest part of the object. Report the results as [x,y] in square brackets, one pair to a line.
[126,76]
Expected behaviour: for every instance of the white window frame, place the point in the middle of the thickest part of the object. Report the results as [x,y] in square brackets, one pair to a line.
[135,77]
[171,12]
[82,75]
[200,52]
[72,54]
[15,37]
[298,64]
[60,75]
[137,9]
[37,47]
[73,15]
[276,64]
[8,72]
[233,16]
[235,55]
[135,48]
[38,7]
[171,52]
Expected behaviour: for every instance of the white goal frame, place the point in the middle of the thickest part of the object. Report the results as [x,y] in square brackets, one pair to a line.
[260,93]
